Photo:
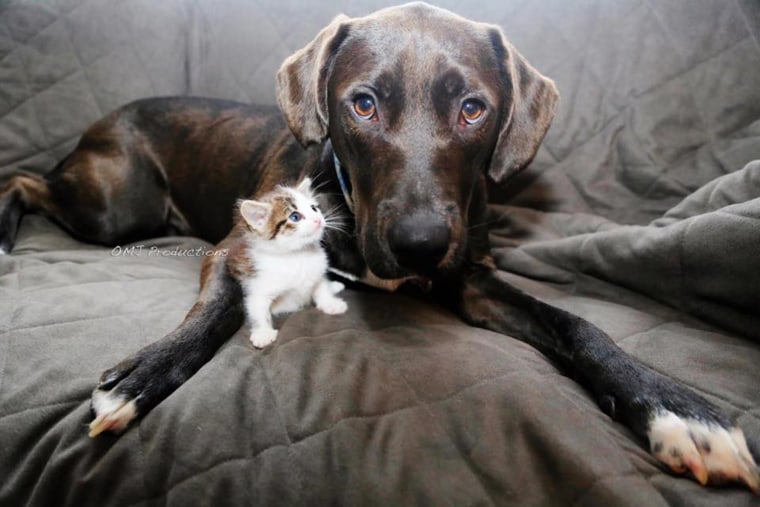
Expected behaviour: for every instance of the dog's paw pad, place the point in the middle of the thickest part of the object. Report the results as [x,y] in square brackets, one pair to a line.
[333,307]
[711,453]
[260,338]
[113,412]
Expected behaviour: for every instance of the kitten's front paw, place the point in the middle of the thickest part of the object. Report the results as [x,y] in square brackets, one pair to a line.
[336,287]
[333,306]
[260,338]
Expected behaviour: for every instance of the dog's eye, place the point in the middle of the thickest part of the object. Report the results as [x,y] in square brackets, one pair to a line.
[472,112]
[364,107]
[295,217]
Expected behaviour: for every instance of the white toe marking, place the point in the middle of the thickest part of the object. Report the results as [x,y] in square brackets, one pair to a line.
[260,338]
[333,306]
[113,412]
[713,454]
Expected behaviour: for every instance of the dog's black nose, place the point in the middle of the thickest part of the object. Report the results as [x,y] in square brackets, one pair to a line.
[419,240]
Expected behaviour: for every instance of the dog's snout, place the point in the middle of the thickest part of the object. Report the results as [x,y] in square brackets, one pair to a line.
[419,240]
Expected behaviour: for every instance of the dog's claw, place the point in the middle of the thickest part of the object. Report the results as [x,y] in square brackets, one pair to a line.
[112,412]
[710,452]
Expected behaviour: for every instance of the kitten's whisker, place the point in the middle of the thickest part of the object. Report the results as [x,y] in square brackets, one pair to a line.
[336,222]
[332,211]
[320,185]
[337,227]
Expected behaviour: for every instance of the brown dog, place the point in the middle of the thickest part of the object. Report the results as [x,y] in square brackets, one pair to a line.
[404,114]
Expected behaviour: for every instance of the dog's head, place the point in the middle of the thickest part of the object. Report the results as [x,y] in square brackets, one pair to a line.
[420,105]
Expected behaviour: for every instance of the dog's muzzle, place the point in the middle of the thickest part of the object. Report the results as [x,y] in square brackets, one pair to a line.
[419,241]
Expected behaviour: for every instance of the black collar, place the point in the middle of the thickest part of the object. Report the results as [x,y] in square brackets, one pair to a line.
[345,183]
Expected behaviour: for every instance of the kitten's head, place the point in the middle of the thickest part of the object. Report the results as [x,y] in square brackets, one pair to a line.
[286,218]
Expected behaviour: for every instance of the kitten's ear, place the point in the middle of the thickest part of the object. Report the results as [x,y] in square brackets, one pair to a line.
[305,186]
[255,213]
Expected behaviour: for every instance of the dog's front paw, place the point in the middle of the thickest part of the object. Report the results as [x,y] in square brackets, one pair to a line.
[262,337]
[132,388]
[113,412]
[127,391]
[712,452]
[334,306]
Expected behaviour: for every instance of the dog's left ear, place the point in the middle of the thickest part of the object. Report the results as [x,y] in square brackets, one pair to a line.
[532,103]
[302,83]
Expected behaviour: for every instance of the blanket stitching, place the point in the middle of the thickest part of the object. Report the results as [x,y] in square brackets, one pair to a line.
[11,163]
[634,473]
[4,346]
[580,144]
[283,422]
[747,23]
[30,95]
[81,66]
[712,140]
[680,52]
[451,397]
[424,405]
[88,319]
[43,406]
[132,46]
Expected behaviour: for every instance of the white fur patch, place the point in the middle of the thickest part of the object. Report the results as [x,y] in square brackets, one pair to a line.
[260,338]
[712,454]
[333,306]
[2,251]
[112,412]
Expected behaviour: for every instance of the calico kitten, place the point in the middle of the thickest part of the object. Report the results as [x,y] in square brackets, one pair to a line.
[278,258]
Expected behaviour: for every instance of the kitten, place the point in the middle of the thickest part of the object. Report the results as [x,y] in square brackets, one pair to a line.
[278,259]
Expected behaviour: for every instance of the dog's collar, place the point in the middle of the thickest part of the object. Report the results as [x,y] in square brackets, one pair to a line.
[345,184]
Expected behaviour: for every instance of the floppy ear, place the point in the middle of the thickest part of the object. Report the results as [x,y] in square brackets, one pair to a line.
[532,105]
[255,213]
[302,83]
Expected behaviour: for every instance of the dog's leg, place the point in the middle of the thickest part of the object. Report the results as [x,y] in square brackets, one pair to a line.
[22,193]
[684,430]
[140,382]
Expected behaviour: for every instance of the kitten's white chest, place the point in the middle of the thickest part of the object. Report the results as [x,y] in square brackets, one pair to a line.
[277,274]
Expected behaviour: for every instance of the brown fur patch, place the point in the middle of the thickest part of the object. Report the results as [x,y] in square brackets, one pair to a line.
[282,205]
[239,261]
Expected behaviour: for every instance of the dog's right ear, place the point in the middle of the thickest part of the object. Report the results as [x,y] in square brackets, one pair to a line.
[533,101]
[302,83]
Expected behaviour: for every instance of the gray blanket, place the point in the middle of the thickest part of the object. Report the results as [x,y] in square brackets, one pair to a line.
[640,213]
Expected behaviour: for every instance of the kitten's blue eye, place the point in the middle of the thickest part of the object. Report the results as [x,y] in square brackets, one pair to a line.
[295,217]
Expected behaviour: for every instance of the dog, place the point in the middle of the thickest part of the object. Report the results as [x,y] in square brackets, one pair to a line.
[401,116]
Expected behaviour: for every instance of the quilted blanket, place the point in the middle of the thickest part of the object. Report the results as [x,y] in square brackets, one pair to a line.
[640,213]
